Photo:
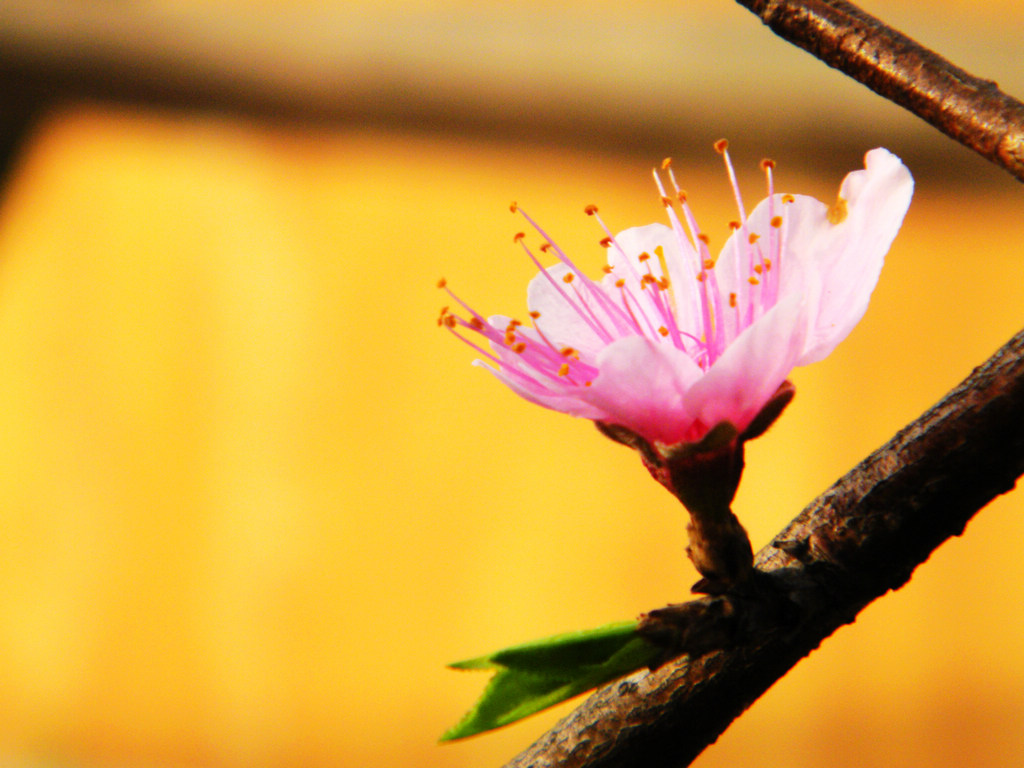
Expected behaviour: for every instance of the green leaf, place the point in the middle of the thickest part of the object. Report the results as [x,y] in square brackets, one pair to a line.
[542,673]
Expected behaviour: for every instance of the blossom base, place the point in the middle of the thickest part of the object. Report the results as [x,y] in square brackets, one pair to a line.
[704,476]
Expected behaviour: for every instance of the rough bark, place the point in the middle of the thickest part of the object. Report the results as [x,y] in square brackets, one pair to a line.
[967,108]
[861,538]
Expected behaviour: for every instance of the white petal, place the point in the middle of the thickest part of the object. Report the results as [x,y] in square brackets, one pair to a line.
[849,254]
[803,221]
[626,265]
[563,317]
[625,261]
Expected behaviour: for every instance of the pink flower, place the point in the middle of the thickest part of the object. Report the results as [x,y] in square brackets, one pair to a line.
[671,342]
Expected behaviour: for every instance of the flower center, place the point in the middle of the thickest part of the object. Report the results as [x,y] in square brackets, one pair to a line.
[637,297]
[751,286]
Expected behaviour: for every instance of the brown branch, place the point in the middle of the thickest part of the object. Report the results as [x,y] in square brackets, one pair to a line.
[861,538]
[967,108]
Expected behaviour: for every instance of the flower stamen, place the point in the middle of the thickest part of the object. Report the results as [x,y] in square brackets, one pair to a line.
[687,307]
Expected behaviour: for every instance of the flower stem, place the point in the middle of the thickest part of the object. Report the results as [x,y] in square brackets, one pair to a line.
[720,551]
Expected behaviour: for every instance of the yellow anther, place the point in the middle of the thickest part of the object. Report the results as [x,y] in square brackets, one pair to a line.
[838,212]
[644,256]
[776,221]
[704,238]
[568,277]
[753,280]
[767,263]
[663,331]
[666,163]
[519,348]
[590,210]
[663,283]
[753,238]
[702,277]
[535,314]
[682,195]
[732,299]
[510,338]
[788,199]
[568,352]
[620,283]
[709,264]
[667,202]
[563,369]
[607,269]
[721,145]
[758,268]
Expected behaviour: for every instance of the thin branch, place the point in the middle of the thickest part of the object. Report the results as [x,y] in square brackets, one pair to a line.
[861,538]
[967,108]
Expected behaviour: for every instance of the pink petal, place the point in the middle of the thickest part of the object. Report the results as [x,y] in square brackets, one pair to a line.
[742,380]
[566,401]
[642,385]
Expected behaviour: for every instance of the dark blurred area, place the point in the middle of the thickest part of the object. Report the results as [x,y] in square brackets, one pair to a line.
[615,80]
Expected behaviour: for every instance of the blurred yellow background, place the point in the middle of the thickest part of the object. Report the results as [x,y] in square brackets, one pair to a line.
[253,499]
